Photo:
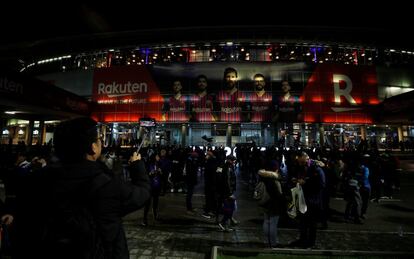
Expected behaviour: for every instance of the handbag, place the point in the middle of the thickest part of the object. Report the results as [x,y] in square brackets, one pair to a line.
[298,202]
[301,200]
[293,204]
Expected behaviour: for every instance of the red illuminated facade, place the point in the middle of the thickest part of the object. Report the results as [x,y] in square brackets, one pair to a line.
[125,94]
[340,94]
[339,85]
[331,94]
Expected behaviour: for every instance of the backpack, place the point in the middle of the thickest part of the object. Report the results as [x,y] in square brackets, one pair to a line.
[70,230]
[260,194]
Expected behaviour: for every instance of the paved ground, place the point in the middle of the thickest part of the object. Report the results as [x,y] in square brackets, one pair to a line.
[389,227]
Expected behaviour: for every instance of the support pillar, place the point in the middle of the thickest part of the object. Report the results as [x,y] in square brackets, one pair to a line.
[263,139]
[228,135]
[321,135]
[303,134]
[42,132]
[400,134]
[363,132]
[183,134]
[190,135]
[29,132]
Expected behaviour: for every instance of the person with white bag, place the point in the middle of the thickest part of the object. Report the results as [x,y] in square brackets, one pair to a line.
[298,203]
[312,180]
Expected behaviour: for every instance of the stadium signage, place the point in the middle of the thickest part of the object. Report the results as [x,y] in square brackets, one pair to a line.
[116,89]
[10,86]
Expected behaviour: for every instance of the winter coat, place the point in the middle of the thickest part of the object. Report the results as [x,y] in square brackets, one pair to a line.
[226,178]
[277,202]
[110,202]
[191,169]
[314,186]
[210,169]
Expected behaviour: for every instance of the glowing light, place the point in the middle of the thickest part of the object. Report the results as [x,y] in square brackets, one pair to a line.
[317,99]
[358,100]
[373,101]
[309,118]
[350,118]
[156,99]
[315,58]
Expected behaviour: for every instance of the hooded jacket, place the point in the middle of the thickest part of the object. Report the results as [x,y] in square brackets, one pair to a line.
[277,202]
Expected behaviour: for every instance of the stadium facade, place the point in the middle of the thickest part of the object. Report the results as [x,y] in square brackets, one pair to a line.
[341,91]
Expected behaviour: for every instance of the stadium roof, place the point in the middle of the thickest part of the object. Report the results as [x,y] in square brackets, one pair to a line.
[39,30]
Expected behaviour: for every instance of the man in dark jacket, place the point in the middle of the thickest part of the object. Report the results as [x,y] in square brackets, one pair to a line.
[226,189]
[312,179]
[77,179]
[191,172]
[211,164]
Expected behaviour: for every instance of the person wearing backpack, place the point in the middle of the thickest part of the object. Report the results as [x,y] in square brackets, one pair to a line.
[273,208]
[72,208]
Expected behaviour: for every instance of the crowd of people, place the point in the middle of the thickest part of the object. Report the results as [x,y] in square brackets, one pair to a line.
[358,176]
[111,183]
[66,204]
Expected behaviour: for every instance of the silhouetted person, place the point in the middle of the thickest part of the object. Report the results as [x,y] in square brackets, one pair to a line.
[76,181]
[312,179]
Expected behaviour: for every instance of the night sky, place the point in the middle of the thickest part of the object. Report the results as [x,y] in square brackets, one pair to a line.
[22,22]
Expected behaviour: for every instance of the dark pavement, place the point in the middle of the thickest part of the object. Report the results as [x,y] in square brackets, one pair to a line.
[389,226]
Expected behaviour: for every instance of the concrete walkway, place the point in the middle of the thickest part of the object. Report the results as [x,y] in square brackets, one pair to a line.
[389,227]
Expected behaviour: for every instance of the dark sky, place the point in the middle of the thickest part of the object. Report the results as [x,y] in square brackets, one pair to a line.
[35,21]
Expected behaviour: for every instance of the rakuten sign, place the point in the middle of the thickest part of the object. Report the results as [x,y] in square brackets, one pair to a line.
[114,89]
